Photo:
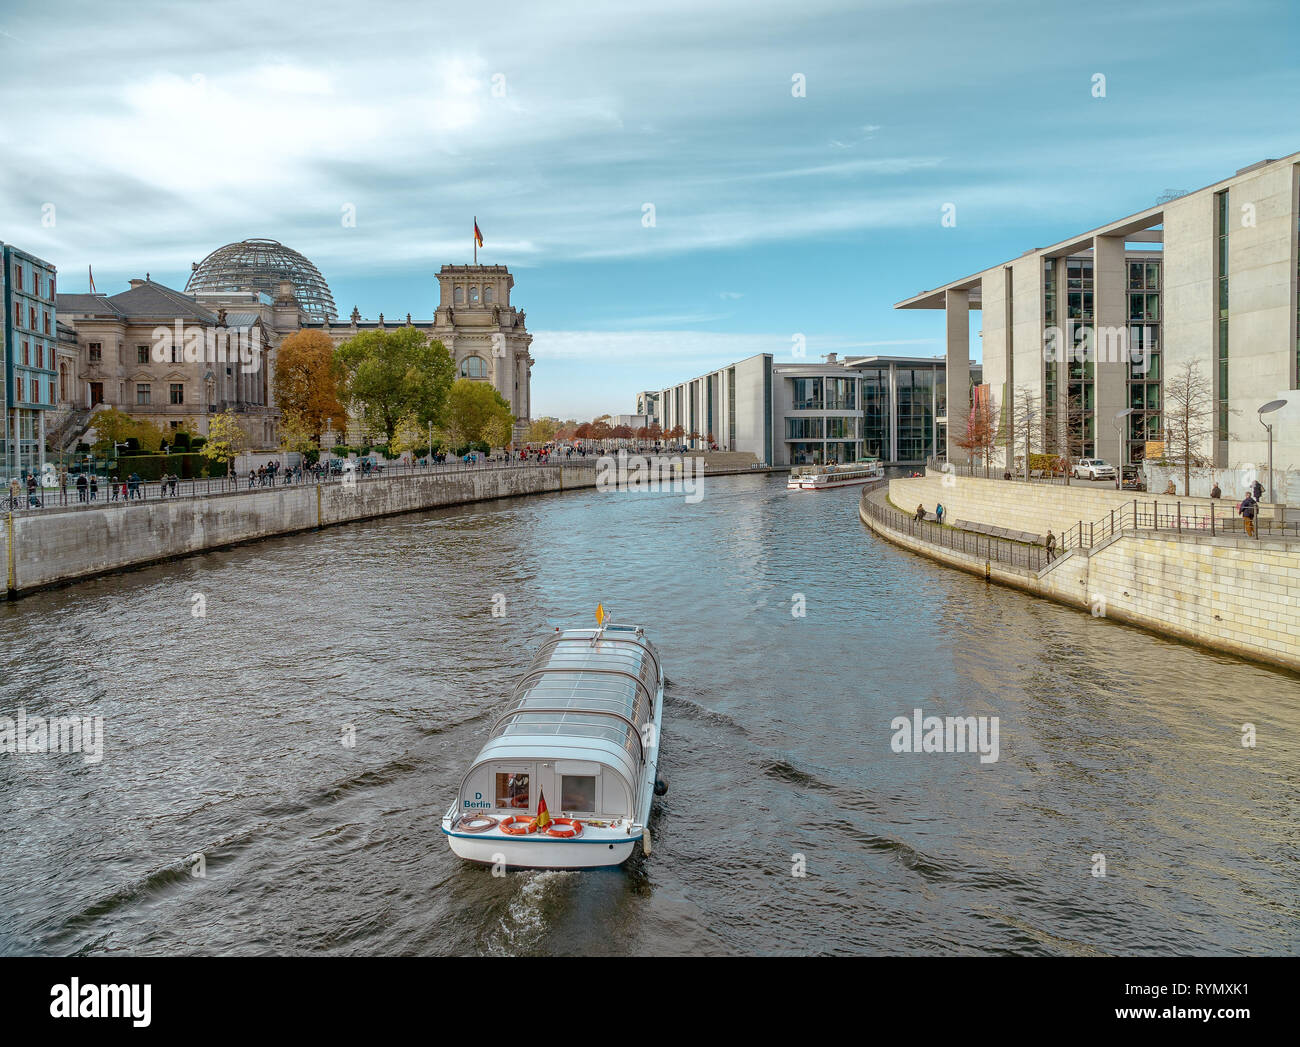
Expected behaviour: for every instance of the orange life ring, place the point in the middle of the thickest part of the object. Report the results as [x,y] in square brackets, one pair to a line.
[564,828]
[518,825]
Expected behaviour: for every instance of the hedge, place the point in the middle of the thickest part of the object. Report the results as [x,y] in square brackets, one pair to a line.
[151,467]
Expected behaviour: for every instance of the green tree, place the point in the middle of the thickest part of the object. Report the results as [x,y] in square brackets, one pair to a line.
[391,375]
[226,438]
[476,411]
[116,427]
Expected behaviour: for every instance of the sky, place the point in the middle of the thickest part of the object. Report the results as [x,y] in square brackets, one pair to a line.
[675,185]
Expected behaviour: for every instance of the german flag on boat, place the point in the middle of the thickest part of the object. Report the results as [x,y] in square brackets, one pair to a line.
[543,815]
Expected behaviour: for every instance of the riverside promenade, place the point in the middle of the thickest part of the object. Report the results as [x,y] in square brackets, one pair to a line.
[56,545]
[1174,568]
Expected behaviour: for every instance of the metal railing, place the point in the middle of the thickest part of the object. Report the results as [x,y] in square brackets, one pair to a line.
[986,547]
[106,494]
[1173,517]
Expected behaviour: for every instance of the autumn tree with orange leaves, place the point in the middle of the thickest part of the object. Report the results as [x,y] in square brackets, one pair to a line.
[304,383]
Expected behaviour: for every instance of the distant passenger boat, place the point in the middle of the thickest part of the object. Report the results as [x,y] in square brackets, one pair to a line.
[816,477]
[567,776]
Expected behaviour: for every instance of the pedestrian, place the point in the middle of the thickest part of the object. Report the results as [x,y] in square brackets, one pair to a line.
[113,485]
[938,513]
[63,486]
[94,487]
[1257,489]
[173,484]
[1247,510]
[15,493]
[1051,545]
[920,512]
[81,487]
[1215,492]
[33,500]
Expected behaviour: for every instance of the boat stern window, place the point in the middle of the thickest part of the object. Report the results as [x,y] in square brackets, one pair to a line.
[512,791]
[578,793]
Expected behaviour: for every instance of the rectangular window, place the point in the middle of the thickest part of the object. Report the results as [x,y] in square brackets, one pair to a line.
[40,355]
[18,276]
[47,323]
[512,791]
[26,354]
[54,393]
[96,352]
[31,318]
[578,793]
[36,390]
[177,393]
[142,393]
[142,354]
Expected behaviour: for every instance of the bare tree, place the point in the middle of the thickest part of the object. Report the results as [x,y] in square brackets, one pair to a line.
[1189,417]
[981,436]
[1025,422]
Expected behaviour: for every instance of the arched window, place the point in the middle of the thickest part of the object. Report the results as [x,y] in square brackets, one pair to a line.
[487,295]
[473,296]
[460,296]
[63,382]
[473,367]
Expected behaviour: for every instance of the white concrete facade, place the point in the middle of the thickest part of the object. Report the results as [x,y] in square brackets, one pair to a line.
[1238,237]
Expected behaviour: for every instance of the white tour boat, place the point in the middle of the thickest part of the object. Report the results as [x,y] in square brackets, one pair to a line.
[567,775]
[816,477]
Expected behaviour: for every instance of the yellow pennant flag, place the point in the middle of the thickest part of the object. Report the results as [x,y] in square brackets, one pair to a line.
[600,614]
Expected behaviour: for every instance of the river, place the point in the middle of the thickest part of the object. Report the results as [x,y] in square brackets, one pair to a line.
[224,738]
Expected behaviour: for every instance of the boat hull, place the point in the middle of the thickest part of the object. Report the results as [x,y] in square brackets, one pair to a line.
[544,853]
[809,485]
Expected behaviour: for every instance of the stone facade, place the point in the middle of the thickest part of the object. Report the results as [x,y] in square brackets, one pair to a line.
[117,335]
[483,331]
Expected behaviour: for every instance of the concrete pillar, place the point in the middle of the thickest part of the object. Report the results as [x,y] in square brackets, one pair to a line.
[1110,343]
[957,357]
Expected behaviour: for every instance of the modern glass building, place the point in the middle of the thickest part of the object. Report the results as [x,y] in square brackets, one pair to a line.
[1199,292]
[30,340]
[888,407]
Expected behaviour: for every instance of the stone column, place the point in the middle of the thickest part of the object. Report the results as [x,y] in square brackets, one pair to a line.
[957,356]
[1110,343]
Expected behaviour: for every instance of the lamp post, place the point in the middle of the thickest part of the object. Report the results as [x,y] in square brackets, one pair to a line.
[1123,445]
[1269,408]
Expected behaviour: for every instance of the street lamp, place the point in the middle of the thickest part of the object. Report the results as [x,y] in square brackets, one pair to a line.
[1269,408]
[1123,445]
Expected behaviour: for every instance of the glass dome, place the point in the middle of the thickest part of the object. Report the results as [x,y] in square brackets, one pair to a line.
[260,265]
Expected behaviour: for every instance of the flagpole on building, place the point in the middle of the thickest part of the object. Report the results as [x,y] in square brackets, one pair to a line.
[475,239]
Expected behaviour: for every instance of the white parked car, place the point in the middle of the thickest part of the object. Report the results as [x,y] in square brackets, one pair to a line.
[1093,469]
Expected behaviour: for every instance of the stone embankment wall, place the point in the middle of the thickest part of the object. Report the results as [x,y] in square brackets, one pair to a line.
[1232,594]
[1036,507]
[47,548]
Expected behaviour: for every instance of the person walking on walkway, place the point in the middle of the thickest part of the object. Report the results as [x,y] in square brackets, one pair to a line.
[1215,492]
[94,487]
[938,513]
[920,512]
[114,487]
[1247,510]
[1257,489]
[1051,546]
[81,487]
